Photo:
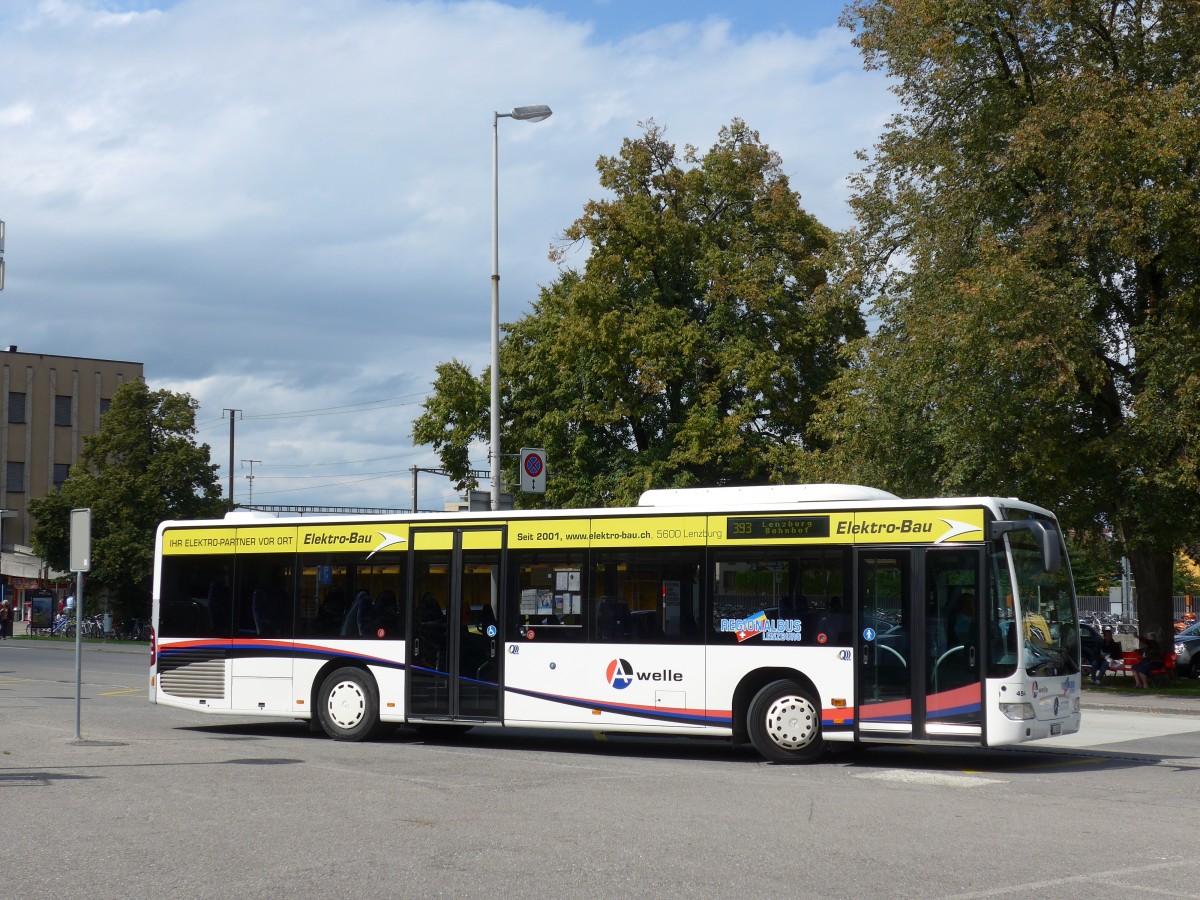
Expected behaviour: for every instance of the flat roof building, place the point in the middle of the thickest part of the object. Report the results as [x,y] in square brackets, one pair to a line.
[49,405]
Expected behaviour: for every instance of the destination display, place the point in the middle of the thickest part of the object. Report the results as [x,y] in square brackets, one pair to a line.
[776,528]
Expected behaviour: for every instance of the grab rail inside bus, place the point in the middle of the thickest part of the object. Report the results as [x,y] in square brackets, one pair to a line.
[942,659]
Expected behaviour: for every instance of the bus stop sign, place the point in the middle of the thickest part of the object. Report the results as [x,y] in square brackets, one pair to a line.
[533,470]
[81,540]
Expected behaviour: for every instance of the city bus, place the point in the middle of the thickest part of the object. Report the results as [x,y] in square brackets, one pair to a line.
[795,618]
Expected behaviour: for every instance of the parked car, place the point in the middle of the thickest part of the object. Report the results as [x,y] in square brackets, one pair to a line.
[1090,641]
[1187,651]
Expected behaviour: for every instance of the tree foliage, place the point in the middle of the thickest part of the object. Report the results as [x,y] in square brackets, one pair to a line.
[688,351]
[1027,236]
[141,467]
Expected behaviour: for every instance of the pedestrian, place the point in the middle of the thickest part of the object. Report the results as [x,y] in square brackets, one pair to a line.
[1152,658]
[1112,651]
[5,620]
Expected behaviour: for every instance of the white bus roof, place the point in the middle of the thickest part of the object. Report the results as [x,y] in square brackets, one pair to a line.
[762,495]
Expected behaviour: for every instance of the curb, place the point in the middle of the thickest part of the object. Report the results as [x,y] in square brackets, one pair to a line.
[87,645]
[1151,710]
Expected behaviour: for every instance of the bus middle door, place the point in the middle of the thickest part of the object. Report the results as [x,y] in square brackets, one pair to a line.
[453,654]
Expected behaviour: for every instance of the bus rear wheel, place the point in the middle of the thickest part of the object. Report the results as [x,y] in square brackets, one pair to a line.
[784,723]
[348,705]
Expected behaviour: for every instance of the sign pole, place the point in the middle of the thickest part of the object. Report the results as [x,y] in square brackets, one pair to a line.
[81,561]
[78,647]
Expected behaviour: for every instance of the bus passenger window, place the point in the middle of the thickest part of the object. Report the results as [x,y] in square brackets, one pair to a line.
[647,596]
[345,596]
[546,596]
[787,595]
[196,596]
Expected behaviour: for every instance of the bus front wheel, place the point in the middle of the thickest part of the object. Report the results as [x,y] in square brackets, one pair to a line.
[348,706]
[784,723]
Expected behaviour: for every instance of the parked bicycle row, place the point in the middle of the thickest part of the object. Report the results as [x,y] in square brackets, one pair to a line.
[94,627]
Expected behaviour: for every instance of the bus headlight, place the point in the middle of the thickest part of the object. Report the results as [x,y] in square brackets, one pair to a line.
[1017,711]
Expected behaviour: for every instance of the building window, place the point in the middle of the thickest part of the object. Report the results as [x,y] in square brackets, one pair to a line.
[16,407]
[62,410]
[105,405]
[16,477]
[61,472]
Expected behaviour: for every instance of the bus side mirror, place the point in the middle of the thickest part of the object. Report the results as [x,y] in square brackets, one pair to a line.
[1047,538]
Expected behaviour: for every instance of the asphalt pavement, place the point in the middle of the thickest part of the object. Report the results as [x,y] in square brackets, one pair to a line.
[159,802]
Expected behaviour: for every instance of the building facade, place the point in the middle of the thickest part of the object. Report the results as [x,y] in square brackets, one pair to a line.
[48,405]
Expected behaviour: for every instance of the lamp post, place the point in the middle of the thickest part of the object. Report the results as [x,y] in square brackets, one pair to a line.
[537,113]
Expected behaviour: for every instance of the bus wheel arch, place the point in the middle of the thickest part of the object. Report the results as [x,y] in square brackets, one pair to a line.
[780,712]
[347,703]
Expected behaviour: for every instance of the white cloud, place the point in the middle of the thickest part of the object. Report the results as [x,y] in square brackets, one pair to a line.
[286,205]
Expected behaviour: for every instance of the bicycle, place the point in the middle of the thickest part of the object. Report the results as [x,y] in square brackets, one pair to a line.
[135,630]
[62,627]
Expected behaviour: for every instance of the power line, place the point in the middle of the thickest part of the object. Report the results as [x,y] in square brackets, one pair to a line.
[318,487]
[348,462]
[261,476]
[362,406]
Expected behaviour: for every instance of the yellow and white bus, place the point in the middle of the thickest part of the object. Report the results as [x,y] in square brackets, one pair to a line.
[793,617]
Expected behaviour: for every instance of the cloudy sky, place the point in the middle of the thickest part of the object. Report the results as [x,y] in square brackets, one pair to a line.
[284,206]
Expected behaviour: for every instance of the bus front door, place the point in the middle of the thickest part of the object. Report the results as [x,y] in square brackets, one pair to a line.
[453,660]
[918,671]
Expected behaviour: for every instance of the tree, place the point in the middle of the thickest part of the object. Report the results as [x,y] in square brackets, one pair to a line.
[690,349]
[1027,233]
[141,467]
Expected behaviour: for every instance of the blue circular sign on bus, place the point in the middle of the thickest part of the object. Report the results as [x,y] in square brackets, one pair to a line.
[868,634]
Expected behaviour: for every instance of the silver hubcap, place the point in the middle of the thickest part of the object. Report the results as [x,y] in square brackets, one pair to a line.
[792,722]
[347,704]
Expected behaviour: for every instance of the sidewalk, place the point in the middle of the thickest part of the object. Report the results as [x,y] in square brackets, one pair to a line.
[1141,701]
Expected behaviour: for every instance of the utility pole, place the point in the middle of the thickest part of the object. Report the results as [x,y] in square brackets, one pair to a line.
[234,415]
[250,478]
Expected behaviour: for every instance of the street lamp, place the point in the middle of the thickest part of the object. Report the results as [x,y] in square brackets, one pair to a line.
[538,113]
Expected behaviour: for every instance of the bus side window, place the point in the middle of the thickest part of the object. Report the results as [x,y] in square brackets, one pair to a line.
[547,596]
[648,596]
[195,596]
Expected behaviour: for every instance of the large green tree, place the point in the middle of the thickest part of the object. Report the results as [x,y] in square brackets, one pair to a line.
[1027,234]
[141,467]
[690,348]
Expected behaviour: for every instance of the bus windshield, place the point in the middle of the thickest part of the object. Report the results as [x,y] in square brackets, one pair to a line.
[1046,601]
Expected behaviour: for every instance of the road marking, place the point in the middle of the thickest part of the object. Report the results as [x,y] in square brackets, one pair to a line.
[126,691]
[942,779]
[1090,878]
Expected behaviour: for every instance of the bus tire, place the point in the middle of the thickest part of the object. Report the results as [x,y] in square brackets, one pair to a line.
[348,705]
[784,723]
